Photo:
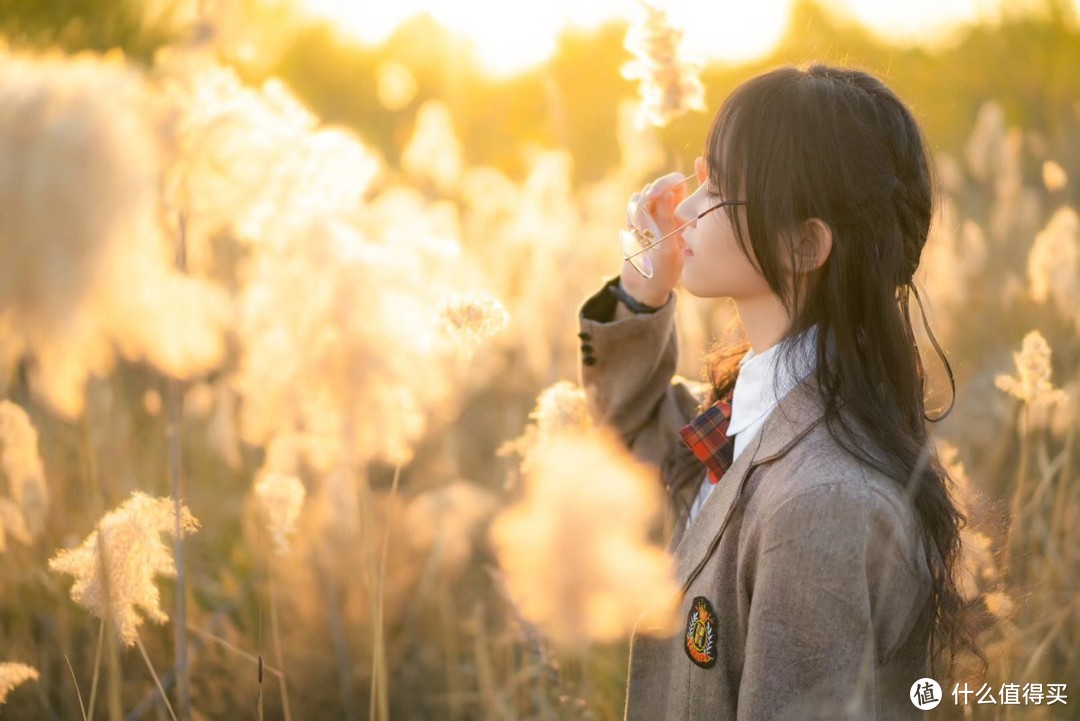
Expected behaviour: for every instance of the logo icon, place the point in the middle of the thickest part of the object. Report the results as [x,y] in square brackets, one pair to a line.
[700,641]
[926,694]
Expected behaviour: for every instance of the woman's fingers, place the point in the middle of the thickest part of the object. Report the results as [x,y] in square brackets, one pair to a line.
[661,184]
[653,209]
[638,215]
[665,194]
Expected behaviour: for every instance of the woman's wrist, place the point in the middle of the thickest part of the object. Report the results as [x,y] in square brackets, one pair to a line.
[634,303]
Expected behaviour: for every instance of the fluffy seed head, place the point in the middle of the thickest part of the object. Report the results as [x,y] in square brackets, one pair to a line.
[114,568]
[1031,384]
[467,319]
[280,498]
[1054,176]
[13,674]
[434,152]
[575,551]
[86,270]
[23,515]
[1054,263]
[978,569]
[670,85]
[562,407]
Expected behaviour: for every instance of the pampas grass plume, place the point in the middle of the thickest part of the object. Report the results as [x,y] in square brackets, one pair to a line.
[23,516]
[670,85]
[1054,176]
[12,675]
[574,550]
[434,151]
[1031,384]
[85,267]
[1053,266]
[467,319]
[115,566]
[281,497]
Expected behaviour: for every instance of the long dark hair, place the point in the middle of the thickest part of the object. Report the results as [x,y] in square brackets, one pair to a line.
[838,145]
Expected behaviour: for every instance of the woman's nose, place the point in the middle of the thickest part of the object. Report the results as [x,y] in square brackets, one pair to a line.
[684,211]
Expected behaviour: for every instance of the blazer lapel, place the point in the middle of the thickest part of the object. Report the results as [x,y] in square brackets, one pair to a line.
[796,413]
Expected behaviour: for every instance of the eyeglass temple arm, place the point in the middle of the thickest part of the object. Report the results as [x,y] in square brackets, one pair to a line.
[698,217]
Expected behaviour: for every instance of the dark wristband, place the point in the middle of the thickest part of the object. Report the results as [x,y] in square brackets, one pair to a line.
[636,306]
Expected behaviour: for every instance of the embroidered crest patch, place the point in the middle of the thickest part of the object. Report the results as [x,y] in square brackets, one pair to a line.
[700,641]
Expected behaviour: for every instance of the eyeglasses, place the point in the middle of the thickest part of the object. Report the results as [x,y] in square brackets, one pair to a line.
[639,240]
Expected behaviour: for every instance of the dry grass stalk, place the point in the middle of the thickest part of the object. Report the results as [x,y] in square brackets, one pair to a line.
[78,691]
[153,673]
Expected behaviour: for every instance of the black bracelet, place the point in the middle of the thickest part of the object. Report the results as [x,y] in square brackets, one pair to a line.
[636,306]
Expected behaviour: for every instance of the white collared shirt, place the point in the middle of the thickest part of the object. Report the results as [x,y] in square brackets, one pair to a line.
[755,396]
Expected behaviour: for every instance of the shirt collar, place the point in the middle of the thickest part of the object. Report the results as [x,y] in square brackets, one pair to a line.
[706,436]
[756,393]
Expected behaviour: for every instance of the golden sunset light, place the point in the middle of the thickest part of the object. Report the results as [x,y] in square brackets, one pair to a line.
[402,359]
[509,38]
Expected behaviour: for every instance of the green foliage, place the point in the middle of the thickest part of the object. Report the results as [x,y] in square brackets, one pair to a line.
[74,25]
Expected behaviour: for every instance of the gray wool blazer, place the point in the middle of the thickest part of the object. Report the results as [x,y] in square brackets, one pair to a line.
[810,562]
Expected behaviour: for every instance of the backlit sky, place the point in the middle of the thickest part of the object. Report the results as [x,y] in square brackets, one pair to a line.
[509,37]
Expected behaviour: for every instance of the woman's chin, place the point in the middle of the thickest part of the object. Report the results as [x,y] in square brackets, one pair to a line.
[694,287]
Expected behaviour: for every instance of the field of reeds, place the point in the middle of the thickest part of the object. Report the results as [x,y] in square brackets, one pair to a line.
[289,419]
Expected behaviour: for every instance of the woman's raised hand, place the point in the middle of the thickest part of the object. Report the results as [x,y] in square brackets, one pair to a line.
[656,211]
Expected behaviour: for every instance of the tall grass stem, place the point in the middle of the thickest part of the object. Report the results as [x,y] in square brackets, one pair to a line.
[279,653]
[379,687]
[97,670]
[175,402]
[157,681]
[75,681]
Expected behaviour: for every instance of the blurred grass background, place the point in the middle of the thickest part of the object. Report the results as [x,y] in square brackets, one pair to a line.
[998,101]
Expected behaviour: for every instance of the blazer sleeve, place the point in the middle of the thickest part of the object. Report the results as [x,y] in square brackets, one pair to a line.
[834,593]
[627,370]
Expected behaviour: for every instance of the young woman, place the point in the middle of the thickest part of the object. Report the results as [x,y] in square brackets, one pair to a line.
[814,537]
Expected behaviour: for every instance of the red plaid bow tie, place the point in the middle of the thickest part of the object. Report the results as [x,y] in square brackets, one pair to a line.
[707,437]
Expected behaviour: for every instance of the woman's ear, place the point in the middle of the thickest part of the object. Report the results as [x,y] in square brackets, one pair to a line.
[813,244]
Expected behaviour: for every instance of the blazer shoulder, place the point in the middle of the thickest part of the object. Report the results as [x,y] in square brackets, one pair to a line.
[818,458]
[817,467]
